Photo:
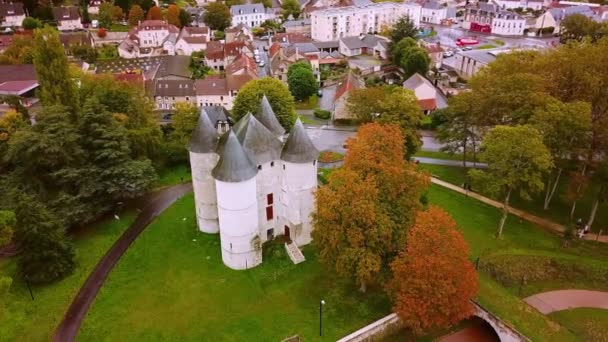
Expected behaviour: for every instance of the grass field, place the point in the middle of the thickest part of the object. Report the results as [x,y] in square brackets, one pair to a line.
[588,324]
[27,320]
[174,175]
[310,103]
[172,285]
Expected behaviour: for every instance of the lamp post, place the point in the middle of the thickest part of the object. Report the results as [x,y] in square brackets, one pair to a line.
[321,303]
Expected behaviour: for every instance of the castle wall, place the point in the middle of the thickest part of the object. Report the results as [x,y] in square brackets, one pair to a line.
[269,182]
[238,219]
[299,182]
[204,191]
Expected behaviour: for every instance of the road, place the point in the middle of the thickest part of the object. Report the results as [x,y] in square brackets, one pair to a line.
[68,328]
[265,70]
[327,100]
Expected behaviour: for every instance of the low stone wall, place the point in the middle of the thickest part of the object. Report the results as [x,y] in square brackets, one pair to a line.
[375,331]
[505,332]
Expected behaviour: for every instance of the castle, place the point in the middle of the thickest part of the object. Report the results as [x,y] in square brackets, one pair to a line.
[252,184]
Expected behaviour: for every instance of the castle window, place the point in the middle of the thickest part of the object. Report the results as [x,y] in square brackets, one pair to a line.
[271,164]
[269,213]
[259,167]
[314,162]
[283,166]
[269,199]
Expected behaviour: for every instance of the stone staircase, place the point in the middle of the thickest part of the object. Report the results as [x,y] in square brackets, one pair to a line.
[295,254]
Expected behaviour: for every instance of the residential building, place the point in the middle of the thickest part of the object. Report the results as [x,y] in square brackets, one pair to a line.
[149,38]
[553,17]
[489,18]
[253,184]
[11,14]
[297,26]
[536,5]
[283,55]
[340,99]
[238,32]
[429,98]
[67,18]
[435,51]
[335,23]
[434,12]
[192,39]
[367,44]
[202,3]
[468,63]
[111,38]
[252,15]
[19,80]
[219,55]
[93,7]
[169,92]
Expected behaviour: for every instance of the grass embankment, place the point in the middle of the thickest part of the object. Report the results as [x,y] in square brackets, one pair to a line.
[172,285]
[588,324]
[174,175]
[310,103]
[559,208]
[27,320]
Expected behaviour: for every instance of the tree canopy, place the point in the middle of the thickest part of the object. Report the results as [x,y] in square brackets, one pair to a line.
[7,226]
[433,280]
[154,13]
[404,27]
[173,15]
[301,80]
[136,15]
[249,97]
[578,27]
[290,7]
[389,104]
[217,16]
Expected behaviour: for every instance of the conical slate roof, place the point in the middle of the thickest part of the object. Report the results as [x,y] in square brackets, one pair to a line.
[234,164]
[267,118]
[260,144]
[299,148]
[204,138]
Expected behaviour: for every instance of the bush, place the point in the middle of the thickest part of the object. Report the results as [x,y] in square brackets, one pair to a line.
[322,114]
[102,33]
[30,23]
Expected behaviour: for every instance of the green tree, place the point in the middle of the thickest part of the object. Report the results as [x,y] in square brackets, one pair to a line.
[460,130]
[46,252]
[184,120]
[404,27]
[30,23]
[51,63]
[410,57]
[249,97]
[136,15]
[217,16]
[184,18]
[20,51]
[231,3]
[106,14]
[7,227]
[266,3]
[600,177]
[197,65]
[271,25]
[173,15]
[517,161]
[302,82]
[291,7]
[566,130]
[84,52]
[117,13]
[389,104]
[578,27]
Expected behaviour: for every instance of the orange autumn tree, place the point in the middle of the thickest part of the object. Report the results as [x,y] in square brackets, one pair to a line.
[173,15]
[433,280]
[154,13]
[364,211]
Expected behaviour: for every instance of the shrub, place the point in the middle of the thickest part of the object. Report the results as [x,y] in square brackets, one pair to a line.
[102,33]
[330,157]
[322,114]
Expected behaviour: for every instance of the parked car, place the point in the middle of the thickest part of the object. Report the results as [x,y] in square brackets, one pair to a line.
[265,47]
[261,64]
[320,93]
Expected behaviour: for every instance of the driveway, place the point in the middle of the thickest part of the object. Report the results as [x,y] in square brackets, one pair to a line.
[327,100]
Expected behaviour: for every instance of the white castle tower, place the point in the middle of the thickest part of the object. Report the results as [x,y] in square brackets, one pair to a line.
[203,158]
[259,188]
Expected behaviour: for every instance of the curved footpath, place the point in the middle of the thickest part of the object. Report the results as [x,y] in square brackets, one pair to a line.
[548,302]
[68,328]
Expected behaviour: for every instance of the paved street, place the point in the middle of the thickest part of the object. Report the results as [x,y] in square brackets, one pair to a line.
[265,70]
[327,101]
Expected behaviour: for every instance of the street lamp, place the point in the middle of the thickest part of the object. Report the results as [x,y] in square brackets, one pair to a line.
[321,303]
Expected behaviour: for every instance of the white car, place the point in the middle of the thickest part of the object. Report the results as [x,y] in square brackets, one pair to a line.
[261,64]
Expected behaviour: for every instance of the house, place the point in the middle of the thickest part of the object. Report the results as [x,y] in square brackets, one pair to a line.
[536,5]
[468,63]
[367,44]
[429,98]
[435,51]
[340,99]
[11,14]
[334,23]
[93,7]
[201,3]
[67,18]
[71,39]
[167,93]
[149,38]
[283,55]
[238,32]
[252,15]
[19,80]
[192,39]
[434,12]
[219,55]
[111,38]
[252,184]
[297,26]
[489,18]
[553,17]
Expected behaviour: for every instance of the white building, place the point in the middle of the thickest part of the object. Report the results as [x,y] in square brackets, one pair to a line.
[489,18]
[429,98]
[434,12]
[252,15]
[250,186]
[513,4]
[192,39]
[508,24]
[335,23]
[67,18]
[149,38]
[11,14]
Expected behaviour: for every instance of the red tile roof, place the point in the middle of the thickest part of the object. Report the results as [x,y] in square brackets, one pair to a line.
[211,85]
[274,48]
[350,83]
[428,104]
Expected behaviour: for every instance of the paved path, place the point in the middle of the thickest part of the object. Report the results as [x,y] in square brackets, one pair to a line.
[446,162]
[548,302]
[68,328]
[550,225]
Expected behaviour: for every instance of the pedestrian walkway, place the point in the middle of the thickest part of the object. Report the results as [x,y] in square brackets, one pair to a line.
[550,225]
[548,302]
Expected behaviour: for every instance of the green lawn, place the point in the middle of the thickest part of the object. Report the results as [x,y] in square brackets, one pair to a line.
[559,209]
[310,103]
[486,47]
[172,285]
[174,175]
[588,324]
[306,120]
[119,28]
[28,320]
